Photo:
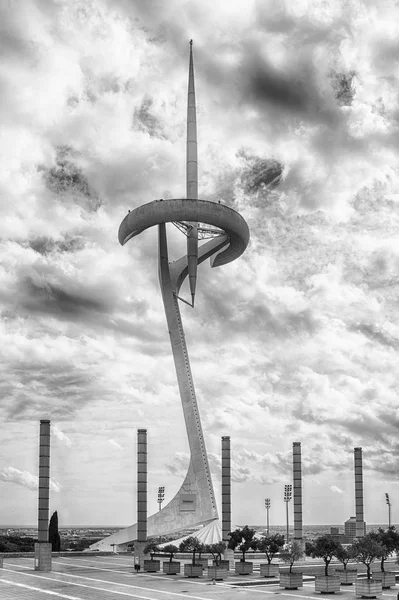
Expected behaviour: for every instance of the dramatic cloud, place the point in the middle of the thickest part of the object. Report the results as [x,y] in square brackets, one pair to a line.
[297,340]
[25,479]
[115,444]
[55,431]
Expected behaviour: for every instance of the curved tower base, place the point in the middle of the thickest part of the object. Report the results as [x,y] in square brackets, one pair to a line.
[194,503]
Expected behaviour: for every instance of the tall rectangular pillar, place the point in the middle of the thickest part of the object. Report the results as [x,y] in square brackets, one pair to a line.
[360,524]
[226,498]
[226,488]
[43,547]
[141,495]
[297,489]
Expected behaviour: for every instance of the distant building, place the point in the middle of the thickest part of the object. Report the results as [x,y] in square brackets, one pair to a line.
[350,528]
[334,530]
[337,536]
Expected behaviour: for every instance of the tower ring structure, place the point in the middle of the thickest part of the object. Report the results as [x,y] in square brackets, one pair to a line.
[227,236]
[218,215]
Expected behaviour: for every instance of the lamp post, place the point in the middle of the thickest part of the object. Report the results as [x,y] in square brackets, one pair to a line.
[267,506]
[287,498]
[387,500]
[161,496]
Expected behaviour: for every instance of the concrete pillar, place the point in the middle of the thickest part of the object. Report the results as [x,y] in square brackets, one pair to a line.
[43,547]
[359,492]
[226,499]
[141,495]
[297,485]
[226,489]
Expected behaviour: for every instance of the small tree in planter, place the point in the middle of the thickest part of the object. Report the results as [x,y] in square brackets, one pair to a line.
[389,540]
[290,580]
[366,550]
[172,567]
[244,540]
[218,570]
[345,555]
[270,545]
[324,547]
[151,566]
[192,544]
[202,561]
[216,550]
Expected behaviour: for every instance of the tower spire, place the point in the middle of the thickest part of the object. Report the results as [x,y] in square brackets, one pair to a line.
[192,178]
[191,156]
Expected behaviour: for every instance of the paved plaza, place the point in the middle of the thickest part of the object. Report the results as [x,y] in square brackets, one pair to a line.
[113,578]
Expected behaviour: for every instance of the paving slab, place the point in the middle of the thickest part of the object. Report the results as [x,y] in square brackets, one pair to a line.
[114,578]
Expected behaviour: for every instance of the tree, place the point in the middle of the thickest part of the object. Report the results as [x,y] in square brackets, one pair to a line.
[389,540]
[344,555]
[13,543]
[366,550]
[216,551]
[82,544]
[270,545]
[244,539]
[171,549]
[150,549]
[192,544]
[53,535]
[291,554]
[324,547]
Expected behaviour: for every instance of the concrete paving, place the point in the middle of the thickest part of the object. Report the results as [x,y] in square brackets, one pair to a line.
[113,578]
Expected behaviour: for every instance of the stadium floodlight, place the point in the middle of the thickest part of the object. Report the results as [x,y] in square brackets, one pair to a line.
[387,500]
[161,496]
[267,506]
[287,498]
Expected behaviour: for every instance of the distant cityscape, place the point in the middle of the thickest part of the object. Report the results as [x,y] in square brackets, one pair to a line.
[344,534]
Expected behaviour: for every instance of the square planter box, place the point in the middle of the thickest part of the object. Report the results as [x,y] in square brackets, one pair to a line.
[346,576]
[193,570]
[291,581]
[217,573]
[368,588]
[223,563]
[388,579]
[171,568]
[327,584]
[244,568]
[152,566]
[269,570]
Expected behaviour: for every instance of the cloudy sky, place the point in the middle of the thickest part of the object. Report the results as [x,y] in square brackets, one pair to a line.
[297,340]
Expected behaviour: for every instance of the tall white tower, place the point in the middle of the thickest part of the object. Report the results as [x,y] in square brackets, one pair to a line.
[228,236]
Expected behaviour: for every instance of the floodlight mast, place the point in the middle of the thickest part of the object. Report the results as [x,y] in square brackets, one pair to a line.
[161,496]
[287,498]
[387,500]
[267,506]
